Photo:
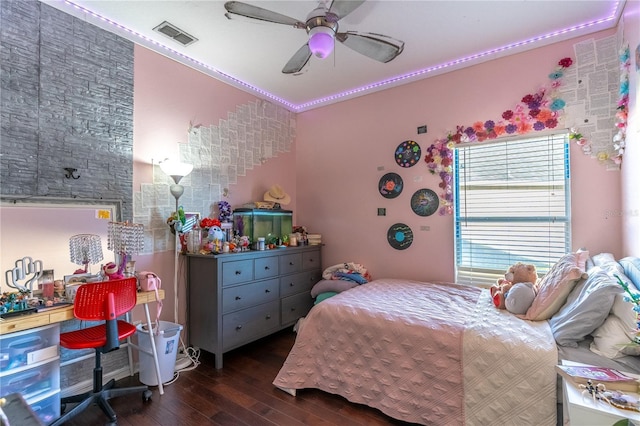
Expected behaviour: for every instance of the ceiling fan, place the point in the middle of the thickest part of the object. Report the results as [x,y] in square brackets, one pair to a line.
[322,27]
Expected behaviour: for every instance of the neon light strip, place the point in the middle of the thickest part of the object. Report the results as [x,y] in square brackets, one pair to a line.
[362,89]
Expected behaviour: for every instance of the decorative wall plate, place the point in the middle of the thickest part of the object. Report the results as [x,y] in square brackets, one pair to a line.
[390,185]
[400,236]
[424,202]
[408,154]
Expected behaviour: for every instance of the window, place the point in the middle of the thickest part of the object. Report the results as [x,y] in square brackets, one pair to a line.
[511,205]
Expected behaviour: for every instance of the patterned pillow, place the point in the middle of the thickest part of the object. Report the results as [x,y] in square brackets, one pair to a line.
[555,286]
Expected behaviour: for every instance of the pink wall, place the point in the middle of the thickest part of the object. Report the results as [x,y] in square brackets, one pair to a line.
[167,97]
[342,147]
[342,150]
[630,212]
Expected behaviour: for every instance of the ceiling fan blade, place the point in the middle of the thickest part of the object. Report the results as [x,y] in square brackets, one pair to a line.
[342,8]
[298,60]
[376,46]
[255,12]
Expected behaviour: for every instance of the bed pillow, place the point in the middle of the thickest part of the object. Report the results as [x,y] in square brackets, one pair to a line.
[587,307]
[555,286]
[336,286]
[612,338]
[631,267]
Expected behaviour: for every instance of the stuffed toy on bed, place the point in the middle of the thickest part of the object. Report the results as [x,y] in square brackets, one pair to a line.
[516,291]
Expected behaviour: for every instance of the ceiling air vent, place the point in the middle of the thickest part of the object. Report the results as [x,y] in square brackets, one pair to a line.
[175,33]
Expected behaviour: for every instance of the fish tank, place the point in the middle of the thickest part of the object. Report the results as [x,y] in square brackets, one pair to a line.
[266,223]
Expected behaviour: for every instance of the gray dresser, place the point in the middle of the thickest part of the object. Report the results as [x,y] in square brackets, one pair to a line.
[237,298]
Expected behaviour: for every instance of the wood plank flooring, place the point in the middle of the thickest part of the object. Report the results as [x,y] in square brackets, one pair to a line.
[239,394]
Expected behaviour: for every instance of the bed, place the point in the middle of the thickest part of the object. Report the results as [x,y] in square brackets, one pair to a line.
[432,353]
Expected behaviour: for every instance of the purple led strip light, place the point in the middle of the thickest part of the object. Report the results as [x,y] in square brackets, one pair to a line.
[359,89]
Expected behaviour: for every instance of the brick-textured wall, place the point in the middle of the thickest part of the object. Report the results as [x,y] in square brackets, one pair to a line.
[66,99]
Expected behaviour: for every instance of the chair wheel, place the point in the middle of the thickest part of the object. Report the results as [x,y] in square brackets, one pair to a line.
[146,395]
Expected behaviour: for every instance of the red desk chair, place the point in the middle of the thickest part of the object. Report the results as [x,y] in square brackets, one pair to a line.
[102,301]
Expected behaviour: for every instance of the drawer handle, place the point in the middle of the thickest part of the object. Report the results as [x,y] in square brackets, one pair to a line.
[291,284]
[267,291]
[311,260]
[238,327]
[290,263]
[268,316]
[238,272]
[238,297]
[266,268]
[293,309]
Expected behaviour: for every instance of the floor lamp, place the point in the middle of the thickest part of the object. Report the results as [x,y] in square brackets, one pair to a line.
[177,171]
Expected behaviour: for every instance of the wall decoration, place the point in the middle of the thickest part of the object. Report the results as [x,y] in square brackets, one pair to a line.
[400,236]
[408,154]
[535,112]
[424,202]
[390,185]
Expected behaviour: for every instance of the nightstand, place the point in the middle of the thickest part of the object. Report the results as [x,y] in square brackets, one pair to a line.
[583,411]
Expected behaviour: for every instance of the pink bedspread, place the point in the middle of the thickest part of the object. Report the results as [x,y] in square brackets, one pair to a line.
[398,351]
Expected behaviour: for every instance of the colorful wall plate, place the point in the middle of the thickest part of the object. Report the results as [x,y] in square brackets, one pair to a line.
[400,236]
[408,154]
[424,202]
[390,185]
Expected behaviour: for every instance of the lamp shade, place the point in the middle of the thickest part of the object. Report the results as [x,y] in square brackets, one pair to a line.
[176,169]
[321,41]
[85,249]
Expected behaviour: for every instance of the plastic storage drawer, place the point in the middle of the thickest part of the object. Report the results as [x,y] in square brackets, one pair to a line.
[28,347]
[47,408]
[33,382]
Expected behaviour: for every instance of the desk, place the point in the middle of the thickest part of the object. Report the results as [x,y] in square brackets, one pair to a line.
[24,322]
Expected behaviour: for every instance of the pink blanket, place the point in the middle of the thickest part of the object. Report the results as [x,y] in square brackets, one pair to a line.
[395,345]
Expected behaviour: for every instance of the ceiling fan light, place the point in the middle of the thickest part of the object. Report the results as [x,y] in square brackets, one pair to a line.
[321,41]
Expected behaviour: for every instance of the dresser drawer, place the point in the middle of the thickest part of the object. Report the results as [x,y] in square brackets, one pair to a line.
[238,271]
[301,282]
[290,263]
[294,307]
[265,267]
[311,260]
[247,295]
[243,326]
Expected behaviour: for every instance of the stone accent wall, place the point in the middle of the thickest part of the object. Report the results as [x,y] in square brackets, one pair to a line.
[66,101]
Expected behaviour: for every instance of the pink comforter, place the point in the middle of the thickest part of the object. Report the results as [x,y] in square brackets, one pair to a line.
[398,351]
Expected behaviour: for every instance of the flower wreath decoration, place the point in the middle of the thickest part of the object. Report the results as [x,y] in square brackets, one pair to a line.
[535,112]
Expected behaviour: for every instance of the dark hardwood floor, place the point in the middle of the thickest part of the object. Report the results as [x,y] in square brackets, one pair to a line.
[241,393]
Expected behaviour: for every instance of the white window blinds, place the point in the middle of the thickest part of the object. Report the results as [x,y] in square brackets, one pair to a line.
[511,205]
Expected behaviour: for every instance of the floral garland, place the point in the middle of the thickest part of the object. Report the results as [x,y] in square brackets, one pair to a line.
[619,140]
[535,112]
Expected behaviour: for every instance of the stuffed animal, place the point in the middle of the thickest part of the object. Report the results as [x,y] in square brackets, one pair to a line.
[110,271]
[519,298]
[517,273]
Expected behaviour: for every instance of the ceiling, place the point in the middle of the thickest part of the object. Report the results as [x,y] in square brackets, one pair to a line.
[439,36]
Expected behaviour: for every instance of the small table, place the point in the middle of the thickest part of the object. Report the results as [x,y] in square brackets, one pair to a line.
[583,411]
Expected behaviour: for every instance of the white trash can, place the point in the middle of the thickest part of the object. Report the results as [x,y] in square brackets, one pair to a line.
[167,341]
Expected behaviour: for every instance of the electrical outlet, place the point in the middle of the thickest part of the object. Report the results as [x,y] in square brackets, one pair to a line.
[425,228]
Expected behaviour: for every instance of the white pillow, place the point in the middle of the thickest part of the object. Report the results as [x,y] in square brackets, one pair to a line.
[613,337]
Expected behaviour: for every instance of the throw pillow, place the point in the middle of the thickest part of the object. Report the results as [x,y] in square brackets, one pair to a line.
[554,288]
